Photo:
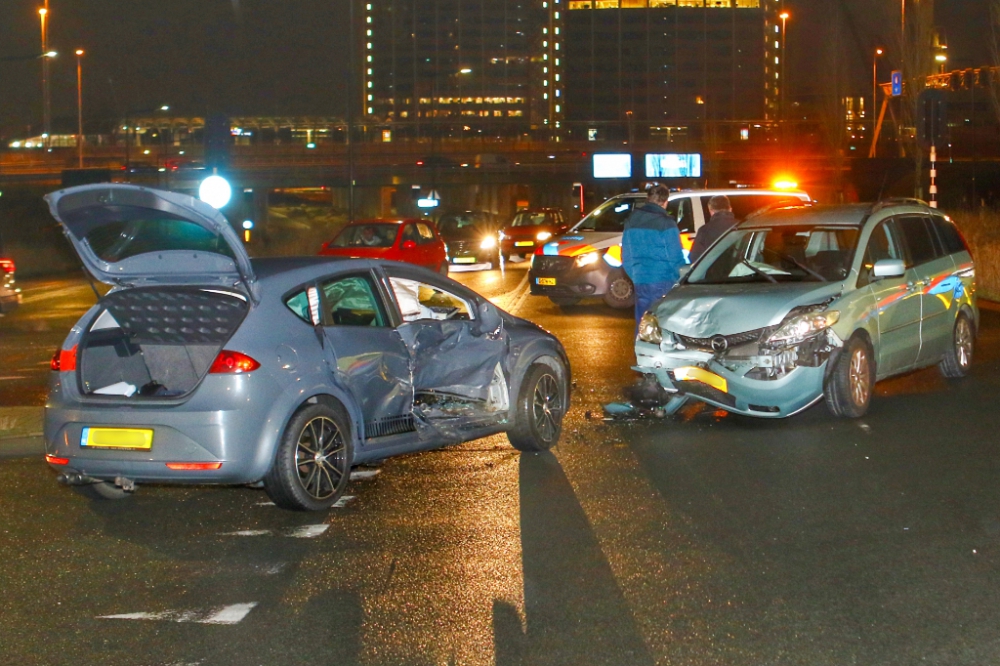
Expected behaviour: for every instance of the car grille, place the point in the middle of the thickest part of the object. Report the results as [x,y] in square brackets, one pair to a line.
[550,264]
[734,340]
[456,248]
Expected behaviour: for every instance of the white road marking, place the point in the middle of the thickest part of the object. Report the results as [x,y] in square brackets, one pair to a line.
[224,615]
[265,503]
[11,377]
[302,532]
[343,501]
[306,531]
[57,293]
[247,533]
[363,474]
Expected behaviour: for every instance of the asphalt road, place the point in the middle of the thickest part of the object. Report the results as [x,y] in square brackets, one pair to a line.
[703,539]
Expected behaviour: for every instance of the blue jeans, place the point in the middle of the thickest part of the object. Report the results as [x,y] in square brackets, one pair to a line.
[645,294]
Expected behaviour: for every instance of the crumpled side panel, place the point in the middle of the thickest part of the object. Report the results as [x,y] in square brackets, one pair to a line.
[447,358]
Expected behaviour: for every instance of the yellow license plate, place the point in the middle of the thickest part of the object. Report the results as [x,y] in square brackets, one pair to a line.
[117,438]
[465,260]
[524,243]
[546,282]
[691,373]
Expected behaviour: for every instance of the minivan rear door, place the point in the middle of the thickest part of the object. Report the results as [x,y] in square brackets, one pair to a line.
[129,235]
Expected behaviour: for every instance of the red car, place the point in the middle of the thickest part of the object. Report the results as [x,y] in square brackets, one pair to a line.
[10,296]
[411,241]
[530,229]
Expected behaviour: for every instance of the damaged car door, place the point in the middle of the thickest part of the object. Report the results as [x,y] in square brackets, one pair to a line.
[458,351]
[366,353]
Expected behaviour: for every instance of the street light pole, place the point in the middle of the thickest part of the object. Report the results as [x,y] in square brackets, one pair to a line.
[351,62]
[46,120]
[79,106]
[784,56]
[878,52]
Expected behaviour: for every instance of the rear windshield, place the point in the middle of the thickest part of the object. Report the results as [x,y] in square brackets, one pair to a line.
[141,230]
[527,219]
[367,235]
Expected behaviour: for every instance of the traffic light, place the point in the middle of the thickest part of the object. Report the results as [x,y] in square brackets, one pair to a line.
[218,139]
[932,118]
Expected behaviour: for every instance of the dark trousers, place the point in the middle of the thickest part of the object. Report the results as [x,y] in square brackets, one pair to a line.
[645,294]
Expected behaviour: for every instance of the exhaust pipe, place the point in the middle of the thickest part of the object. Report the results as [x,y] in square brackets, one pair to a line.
[78,479]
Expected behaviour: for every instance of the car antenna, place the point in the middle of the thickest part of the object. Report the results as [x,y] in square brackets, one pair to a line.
[90,281]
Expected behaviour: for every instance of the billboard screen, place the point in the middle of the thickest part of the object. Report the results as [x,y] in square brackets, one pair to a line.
[613,165]
[673,165]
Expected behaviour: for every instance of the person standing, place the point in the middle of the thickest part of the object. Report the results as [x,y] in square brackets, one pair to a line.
[651,250]
[722,220]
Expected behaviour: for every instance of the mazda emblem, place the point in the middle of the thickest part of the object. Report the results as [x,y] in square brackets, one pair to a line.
[719,344]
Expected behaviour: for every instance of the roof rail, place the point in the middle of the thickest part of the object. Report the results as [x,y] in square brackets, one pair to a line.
[791,202]
[895,201]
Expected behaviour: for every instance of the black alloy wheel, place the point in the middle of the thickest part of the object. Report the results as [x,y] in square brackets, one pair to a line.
[541,405]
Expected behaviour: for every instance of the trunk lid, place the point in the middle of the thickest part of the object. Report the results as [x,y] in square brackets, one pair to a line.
[127,235]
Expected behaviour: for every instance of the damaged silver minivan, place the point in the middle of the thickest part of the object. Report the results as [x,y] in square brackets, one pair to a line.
[806,302]
[204,366]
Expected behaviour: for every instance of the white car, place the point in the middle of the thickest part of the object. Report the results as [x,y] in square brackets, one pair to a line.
[586,261]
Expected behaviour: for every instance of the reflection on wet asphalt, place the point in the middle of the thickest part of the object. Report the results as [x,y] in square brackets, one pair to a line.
[704,539]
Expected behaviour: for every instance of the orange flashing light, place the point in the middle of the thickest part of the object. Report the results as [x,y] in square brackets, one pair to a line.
[56,460]
[785,184]
[193,467]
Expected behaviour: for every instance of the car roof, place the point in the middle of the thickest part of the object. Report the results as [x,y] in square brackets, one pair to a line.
[384,220]
[845,215]
[729,192]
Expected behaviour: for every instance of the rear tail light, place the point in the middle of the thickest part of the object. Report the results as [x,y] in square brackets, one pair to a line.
[7,265]
[193,467]
[64,360]
[232,363]
[56,460]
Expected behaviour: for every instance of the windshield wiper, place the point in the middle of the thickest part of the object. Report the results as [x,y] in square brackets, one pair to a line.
[797,263]
[756,270]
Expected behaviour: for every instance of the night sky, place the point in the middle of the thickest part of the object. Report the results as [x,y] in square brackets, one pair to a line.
[289,57]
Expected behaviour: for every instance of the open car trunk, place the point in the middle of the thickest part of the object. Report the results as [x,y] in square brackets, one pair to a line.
[156,342]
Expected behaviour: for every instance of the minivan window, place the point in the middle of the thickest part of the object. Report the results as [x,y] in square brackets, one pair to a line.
[883,244]
[918,240]
[951,239]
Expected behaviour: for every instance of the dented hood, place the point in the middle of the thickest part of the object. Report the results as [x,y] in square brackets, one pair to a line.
[701,311]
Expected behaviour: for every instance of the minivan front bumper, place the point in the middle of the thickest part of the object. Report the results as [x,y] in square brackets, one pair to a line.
[699,375]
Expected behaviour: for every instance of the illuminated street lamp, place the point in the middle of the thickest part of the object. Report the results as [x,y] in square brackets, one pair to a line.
[878,52]
[79,106]
[784,16]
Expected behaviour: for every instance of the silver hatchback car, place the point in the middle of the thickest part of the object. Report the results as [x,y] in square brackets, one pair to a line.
[204,366]
[805,302]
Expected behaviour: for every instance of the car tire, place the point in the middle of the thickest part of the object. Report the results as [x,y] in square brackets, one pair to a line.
[849,386]
[298,479]
[505,256]
[958,359]
[539,410]
[102,490]
[443,268]
[564,302]
[621,293]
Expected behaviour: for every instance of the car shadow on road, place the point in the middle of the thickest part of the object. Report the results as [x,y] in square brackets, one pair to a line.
[574,609]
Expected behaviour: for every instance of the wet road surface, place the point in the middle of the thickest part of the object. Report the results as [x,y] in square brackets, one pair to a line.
[704,539]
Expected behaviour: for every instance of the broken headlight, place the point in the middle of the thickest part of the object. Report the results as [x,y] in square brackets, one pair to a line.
[800,328]
[588,259]
[649,329]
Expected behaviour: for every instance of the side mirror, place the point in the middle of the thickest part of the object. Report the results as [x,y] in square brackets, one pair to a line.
[489,318]
[409,245]
[889,268]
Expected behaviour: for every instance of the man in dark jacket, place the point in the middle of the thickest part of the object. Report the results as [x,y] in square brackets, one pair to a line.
[651,250]
[722,220]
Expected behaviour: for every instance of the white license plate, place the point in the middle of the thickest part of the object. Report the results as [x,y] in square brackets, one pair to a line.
[465,260]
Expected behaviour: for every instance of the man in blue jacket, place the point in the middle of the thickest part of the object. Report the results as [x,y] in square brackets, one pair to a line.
[651,250]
